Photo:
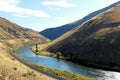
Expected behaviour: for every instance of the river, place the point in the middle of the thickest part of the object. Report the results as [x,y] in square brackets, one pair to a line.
[64,65]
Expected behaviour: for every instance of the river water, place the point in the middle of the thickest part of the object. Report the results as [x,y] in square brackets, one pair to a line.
[64,65]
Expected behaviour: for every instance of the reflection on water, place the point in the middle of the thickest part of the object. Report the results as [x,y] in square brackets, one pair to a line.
[27,54]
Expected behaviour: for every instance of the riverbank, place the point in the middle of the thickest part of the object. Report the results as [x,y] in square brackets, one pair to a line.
[57,55]
[64,74]
[32,66]
[42,52]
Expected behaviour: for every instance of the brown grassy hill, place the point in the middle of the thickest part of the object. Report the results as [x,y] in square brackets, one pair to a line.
[9,30]
[12,35]
[95,41]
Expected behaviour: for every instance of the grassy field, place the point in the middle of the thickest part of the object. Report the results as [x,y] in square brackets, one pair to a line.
[65,74]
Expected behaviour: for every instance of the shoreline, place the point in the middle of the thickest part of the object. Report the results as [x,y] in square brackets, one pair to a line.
[52,72]
[31,65]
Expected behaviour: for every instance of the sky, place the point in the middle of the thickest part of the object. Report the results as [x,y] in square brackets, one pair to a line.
[41,14]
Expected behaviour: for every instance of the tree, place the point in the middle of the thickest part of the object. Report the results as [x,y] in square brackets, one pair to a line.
[36,47]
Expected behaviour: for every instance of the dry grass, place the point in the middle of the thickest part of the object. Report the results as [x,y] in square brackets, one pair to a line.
[10,30]
[11,69]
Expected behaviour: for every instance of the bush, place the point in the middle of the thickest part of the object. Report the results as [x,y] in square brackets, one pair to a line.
[58,54]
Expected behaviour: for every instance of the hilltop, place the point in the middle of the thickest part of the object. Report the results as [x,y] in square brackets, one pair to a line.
[53,33]
[10,30]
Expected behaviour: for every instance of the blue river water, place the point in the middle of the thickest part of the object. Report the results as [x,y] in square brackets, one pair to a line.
[64,65]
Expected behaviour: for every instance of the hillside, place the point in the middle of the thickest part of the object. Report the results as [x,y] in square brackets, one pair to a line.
[12,35]
[53,33]
[96,41]
[11,69]
[10,30]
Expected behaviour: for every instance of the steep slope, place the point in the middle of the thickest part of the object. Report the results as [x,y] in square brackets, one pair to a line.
[53,33]
[9,30]
[95,41]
